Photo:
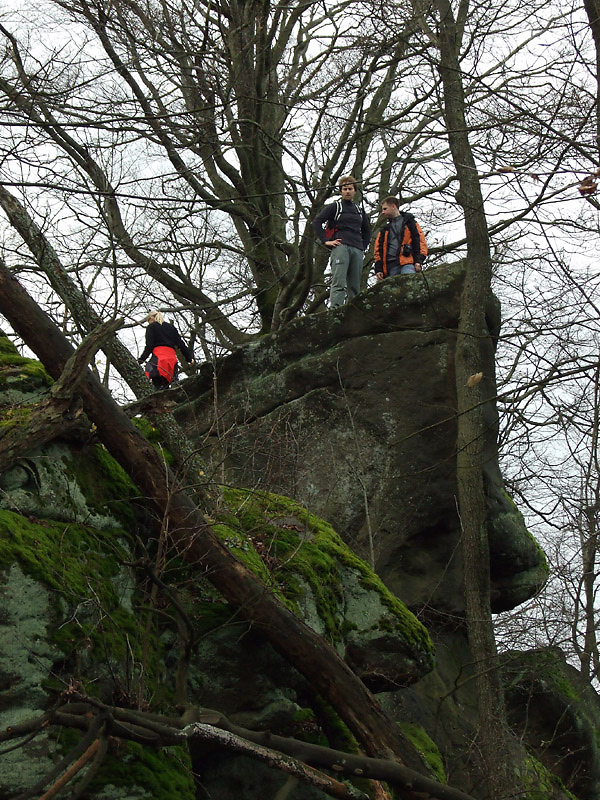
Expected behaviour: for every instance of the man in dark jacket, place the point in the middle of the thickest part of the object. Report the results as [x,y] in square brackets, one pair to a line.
[347,236]
[400,247]
[161,340]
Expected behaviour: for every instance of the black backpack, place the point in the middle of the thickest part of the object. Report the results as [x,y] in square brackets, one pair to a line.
[331,226]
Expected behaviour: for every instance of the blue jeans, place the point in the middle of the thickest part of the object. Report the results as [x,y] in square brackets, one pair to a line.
[405,269]
[346,269]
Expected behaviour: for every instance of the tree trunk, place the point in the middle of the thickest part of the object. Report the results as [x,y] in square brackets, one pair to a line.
[473,338]
[87,319]
[31,426]
[592,8]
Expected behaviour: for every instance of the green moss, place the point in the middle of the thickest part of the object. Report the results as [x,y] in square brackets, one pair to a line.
[63,556]
[163,774]
[339,736]
[547,667]
[307,729]
[80,565]
[152,434]
[106,486]
[18,372]
[239,544]
[299,546]
[540,784]
[147,429]
[304,715]
[15,417]
[427,748]
[7,348]
[206,614]
[513,524]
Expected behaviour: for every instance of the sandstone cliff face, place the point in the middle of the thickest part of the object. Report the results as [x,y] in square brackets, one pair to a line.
[353,413]
[77,614]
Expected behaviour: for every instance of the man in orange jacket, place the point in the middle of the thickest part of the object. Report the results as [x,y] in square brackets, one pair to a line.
[400,247]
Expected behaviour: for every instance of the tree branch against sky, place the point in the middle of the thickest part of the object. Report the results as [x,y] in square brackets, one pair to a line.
[190,150]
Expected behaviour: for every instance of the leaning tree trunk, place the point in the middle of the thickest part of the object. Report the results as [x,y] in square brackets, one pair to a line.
[184,455]
[473,337]
[196,542]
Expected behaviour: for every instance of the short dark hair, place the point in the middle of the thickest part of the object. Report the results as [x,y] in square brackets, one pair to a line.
[391,201]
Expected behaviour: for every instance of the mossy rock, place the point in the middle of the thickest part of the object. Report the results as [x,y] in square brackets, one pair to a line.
[518,565]
[305,562]
[133,772]
[427,748]
[82,568]
[19,374]
[106,486]
[73,484]
[541,784]
[556,712]
[74,621]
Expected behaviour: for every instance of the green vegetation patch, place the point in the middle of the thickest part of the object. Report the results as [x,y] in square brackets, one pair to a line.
[427,748]
[15,417]
[63,556]
[164,774]
[81,567]
[152,434]
[106,486]
[19,372]
[298,548]
[546,667]
[541,784]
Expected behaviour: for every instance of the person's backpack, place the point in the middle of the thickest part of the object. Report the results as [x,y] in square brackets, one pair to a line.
[331,226]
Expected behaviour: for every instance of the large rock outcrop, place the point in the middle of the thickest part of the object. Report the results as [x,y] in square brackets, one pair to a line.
[78,615]
[353,413]
[556,712]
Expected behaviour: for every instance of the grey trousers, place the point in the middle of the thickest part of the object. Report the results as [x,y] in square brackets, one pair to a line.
[346,269]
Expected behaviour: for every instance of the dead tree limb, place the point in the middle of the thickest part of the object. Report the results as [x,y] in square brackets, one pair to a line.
[77,364]
[93,728]
[207,725]
[81,762]
[211,727]
[28,426]
[275,758]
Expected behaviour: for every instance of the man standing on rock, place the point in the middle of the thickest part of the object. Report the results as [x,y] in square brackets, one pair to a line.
[400,247]
[344,228]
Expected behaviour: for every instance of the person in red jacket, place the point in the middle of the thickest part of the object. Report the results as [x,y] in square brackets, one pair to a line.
[161,340]
[400,247]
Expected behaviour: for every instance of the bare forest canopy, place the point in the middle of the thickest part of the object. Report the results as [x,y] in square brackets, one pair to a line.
[177,153]
[172,155]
